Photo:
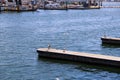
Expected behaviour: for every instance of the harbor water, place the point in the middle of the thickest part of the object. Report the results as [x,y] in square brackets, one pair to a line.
[76,30]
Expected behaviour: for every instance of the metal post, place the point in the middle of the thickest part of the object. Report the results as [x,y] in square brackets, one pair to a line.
[66,5]
[32,2]
[101,2]
[0,6]
[44,4]
[20,2]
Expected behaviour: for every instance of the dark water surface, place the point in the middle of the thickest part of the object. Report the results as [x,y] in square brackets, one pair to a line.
[77,30]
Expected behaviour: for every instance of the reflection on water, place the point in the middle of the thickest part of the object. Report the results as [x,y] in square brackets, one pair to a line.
[110,45]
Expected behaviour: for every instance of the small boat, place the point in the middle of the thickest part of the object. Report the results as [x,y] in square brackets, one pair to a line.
[110,40]
[18,5]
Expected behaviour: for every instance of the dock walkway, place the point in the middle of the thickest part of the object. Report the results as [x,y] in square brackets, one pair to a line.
[79,56]
[110,40]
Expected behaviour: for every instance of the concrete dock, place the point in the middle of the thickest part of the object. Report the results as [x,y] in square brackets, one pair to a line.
[110,40]
[79,57]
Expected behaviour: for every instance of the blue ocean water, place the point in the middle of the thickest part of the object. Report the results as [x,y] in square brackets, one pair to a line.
[76,30]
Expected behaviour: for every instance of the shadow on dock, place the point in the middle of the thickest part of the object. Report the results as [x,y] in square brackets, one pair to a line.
[82,66]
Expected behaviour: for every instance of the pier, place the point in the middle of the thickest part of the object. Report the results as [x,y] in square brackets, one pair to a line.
[110,40]
[79,57]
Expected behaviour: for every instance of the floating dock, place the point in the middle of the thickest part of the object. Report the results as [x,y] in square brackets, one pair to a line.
[110,6]
[79,56]
[110,40]
[6,8]
[67,8]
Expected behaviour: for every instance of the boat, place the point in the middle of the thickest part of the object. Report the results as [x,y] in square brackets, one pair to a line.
[18,5]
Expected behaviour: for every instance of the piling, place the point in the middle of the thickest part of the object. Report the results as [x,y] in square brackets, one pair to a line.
[0,7]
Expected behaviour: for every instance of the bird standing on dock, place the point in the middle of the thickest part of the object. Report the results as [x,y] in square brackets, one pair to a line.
[49,46]
[104,36]
[64,50]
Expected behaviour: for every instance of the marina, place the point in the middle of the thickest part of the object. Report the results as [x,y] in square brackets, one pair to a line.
[18,5]
[33,5]
[21,33]
[65,5]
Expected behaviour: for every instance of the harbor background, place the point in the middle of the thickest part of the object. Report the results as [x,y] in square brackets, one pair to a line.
[76,30]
